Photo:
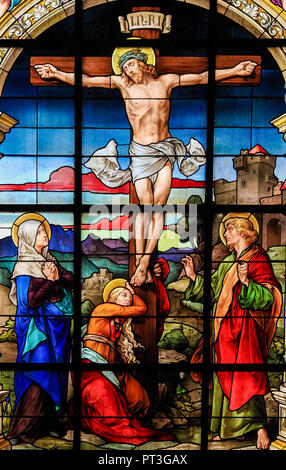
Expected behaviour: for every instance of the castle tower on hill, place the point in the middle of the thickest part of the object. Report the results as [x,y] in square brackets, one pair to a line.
[255,175]
[255,178]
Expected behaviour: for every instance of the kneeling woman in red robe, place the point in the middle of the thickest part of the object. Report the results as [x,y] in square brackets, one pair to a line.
[113,402]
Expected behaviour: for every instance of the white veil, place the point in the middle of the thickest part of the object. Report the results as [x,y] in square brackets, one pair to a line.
[29,261]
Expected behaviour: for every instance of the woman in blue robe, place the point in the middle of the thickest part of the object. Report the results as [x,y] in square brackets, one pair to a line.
[41,291]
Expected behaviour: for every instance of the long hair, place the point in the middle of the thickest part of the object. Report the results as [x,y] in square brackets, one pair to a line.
[148,69]
[126,343]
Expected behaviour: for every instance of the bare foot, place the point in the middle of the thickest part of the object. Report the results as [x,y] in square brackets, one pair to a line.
[139,276]
[137,260]
[149,277]
[262,439]
[216,438]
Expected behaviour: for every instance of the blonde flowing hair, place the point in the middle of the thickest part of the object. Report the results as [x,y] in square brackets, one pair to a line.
[126,342]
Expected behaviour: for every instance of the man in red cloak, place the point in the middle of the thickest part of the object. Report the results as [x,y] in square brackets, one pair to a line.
[247,302]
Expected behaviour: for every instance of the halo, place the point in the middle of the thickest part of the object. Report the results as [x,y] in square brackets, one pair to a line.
[119,282]
[236,215]
[118,51]
[24,218]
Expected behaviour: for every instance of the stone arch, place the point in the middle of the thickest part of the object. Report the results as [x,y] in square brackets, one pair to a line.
[31,17]
[274,232]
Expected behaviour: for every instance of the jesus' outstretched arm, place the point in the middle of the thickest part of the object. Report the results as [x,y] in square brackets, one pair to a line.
[243,69]
[49,72]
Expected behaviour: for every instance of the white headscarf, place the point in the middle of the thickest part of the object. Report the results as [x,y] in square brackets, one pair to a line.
[29,262]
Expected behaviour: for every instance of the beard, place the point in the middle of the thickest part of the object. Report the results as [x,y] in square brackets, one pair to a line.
[137,77]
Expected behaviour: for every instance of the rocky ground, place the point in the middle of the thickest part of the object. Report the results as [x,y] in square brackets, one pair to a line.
[181,418]
[177,412]
[92,442]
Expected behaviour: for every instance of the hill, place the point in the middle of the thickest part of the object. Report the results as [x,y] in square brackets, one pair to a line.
[93,245]
[61,240]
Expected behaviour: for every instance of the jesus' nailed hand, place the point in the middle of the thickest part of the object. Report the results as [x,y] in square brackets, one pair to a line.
[146,96]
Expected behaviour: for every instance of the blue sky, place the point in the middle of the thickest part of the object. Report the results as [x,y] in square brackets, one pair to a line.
[46,125]
[223,168]
[8,218]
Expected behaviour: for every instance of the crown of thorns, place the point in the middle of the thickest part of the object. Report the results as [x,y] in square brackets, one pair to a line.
[133,54]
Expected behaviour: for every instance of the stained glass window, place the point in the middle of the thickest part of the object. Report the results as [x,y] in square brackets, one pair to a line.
[142,247]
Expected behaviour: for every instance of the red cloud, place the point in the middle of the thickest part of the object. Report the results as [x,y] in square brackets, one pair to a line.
[60,180]
[91,183]
[63,180]
[119,223]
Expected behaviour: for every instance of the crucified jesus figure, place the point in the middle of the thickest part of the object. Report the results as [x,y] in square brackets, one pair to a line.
[152,150]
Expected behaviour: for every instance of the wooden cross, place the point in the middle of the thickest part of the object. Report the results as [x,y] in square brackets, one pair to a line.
[145,327]
[100,66]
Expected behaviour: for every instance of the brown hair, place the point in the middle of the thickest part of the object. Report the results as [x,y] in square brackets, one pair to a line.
[147,68]
[243,227]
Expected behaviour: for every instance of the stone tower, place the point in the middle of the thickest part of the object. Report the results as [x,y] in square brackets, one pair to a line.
[255,175]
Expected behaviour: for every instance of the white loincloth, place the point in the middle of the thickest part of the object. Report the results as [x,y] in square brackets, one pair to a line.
[146,160]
